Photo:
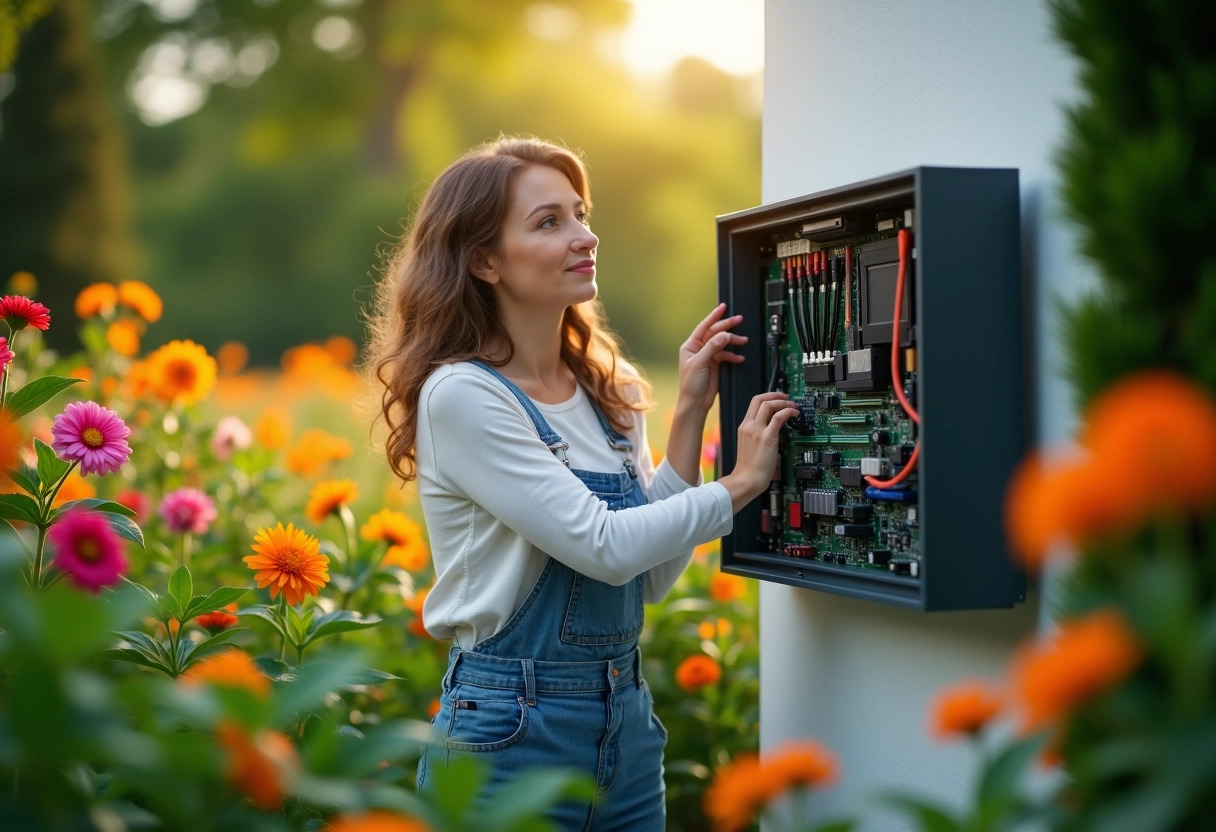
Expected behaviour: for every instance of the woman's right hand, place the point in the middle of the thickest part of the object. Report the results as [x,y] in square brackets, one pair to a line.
[756,457]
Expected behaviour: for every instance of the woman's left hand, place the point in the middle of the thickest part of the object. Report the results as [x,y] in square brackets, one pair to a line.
[700,356]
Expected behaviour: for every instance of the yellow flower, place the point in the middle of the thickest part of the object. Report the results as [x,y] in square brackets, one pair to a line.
[290,560]
[96,299]
[412,556]
[328,496]
[23,283]
[230,669]
[141,297]
[123,337]
[181,371]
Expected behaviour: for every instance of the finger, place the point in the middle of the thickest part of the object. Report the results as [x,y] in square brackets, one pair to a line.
[773,429]
[754,407]
[725,324]
[702,329]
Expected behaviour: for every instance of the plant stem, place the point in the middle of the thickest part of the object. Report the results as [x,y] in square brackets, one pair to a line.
[286,624]
[36,573]
[187,544]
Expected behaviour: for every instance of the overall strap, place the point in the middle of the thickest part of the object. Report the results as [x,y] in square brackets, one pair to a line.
[617,441]
[547,434]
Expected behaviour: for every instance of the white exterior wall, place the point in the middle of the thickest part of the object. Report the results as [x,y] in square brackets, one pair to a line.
[854,90]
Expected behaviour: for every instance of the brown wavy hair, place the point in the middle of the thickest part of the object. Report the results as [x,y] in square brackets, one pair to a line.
[430,310]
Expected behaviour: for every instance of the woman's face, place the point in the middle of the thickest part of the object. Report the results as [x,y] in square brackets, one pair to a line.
[546,254]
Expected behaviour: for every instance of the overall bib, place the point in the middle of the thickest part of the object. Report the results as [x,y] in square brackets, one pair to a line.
[560,684]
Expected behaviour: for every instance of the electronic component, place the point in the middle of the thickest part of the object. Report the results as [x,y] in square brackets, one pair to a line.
[820,501]
[850,314]
[854,530]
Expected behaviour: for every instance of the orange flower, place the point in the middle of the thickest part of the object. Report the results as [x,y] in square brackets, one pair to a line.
[141,297]
[23,283]
[328,496]
[377,821]
[273,428]
[725,587]
[230,668]
[314,449]
[393,527]
[290,560]
[707,630]
[96,299]
[413,556]
[414,605]
[139,379]
[75,487]
[1085,657]
[218,620]
[748,783]
[181,371]
[1156,433]
[432,708]
[696,672]
[800,765]
[341,349]
[701,553]
[260,766]
[232,356]
[10,439]
[123,337]
[964,708]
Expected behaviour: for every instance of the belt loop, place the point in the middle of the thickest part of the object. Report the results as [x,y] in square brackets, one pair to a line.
[637,667]
[529,682]
[453,659]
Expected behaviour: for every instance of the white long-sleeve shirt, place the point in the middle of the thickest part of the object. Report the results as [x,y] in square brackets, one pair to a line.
[497,502]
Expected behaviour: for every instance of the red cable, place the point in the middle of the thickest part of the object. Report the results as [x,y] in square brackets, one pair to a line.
[905,249]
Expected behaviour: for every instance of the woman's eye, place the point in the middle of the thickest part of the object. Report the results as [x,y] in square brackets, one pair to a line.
[548,222]
[585,219]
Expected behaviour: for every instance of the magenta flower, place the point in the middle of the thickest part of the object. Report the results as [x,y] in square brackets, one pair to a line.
[92,435]
[231,434]
[187,510]
[21,312]
[87,549]
[6,355]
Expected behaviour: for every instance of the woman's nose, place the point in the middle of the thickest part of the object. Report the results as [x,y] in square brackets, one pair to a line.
[586,239]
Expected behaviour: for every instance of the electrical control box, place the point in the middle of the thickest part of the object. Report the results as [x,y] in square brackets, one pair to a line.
[890,312]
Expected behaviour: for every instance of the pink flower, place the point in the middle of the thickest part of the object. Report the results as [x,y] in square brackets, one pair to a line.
[87,549]
[6,355]
[92,435]
[231,434]
[187,510]
[21,312]
[137,501]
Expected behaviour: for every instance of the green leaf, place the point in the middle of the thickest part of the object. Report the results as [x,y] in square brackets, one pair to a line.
[208,646]
[1000,784]
[222,597]
[312,682]
[126,528]
[18,507]
[181,589]
[50,467]
[370,676]
[276,669]
[105,506]
[528,795]
[37,393]
[339,621]
[266,614]
[129,654]
[930,817]
[26,479]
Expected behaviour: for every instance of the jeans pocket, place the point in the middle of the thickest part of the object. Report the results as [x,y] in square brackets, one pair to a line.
[485,720]
[654,718]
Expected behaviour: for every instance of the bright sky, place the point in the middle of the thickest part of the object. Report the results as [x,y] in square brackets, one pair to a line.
[727,33]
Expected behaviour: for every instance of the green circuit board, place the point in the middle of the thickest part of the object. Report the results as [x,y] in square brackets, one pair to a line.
[826,510]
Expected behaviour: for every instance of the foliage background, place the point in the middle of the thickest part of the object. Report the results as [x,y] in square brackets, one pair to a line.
[288,184]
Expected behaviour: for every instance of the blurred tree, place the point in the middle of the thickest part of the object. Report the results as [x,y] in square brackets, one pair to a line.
[277,146]
[64,185]
[16,16]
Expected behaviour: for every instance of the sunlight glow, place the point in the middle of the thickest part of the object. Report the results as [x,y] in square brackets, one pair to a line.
[727,33]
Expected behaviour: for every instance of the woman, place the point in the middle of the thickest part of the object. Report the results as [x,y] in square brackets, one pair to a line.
[549,523]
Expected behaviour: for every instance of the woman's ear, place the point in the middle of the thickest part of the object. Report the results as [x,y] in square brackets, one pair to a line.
[483,267]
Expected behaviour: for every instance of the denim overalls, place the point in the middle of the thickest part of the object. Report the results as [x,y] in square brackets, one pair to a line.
[560,684]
